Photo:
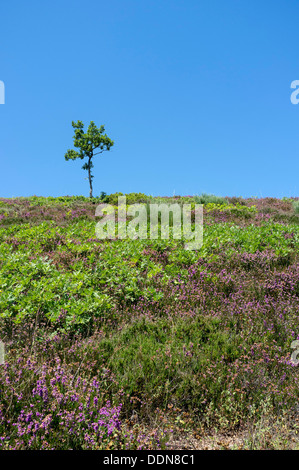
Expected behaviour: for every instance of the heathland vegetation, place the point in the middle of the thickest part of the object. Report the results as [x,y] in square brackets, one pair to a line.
[137,344]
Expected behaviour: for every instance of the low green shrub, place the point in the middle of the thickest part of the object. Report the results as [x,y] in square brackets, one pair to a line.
[210,199]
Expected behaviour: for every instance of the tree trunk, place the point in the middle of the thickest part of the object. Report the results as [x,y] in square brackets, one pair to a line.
[89,177]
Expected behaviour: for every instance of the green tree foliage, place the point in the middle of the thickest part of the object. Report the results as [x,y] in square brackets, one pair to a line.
[93,139]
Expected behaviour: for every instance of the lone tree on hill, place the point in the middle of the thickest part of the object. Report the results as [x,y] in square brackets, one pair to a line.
[88,142]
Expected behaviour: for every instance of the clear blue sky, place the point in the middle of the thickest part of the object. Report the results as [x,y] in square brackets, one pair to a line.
[195,94]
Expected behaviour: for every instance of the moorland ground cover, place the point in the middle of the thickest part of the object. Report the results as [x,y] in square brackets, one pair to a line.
[130,344]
